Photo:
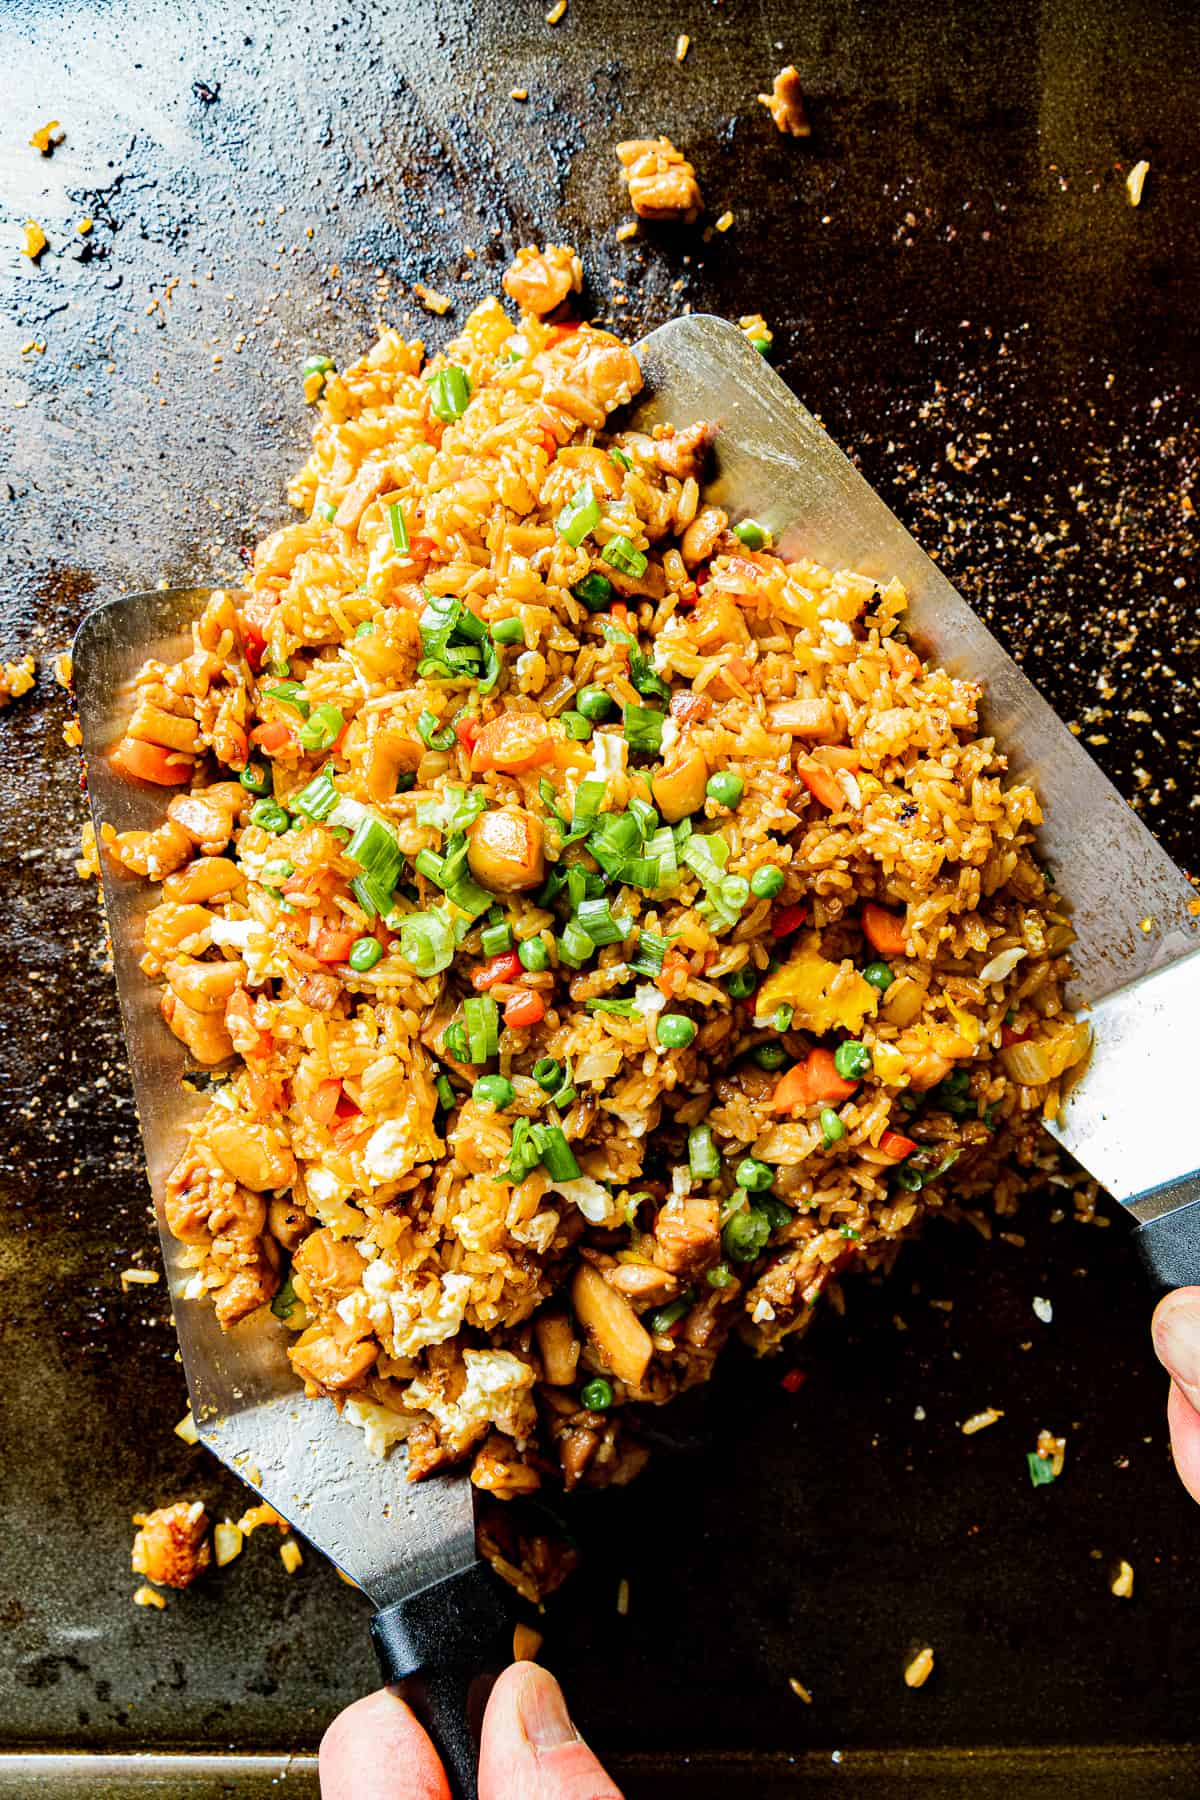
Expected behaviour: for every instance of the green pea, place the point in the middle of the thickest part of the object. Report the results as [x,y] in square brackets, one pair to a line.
[745,1234]
[778,1214]
[548,1073]
[852,1060]
[597,1395]
[720,1276]
[908,1178]
[365,952]
[752,534]
[753,1175]
[255,779]
[879,976]
[741,984]
[534,955]
[366,629]
[508,631]
[268,815]
[594,703]
[831,1126]
[675,1031]
[577,726]
[494,1090]
[766,882]
[769,1056]
[725,788]
[781,1018]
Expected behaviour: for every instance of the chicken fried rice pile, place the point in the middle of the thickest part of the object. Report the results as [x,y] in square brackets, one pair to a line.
[602,935]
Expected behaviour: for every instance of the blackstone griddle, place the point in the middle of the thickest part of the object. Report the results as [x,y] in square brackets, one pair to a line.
[952,267]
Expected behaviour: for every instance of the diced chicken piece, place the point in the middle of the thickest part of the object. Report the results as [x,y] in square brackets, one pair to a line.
[205,987]
[328,1268]
[643,1283]
[785,103]
[498,1470]
[589,374]
[370,480]
[171,1546]
[204,1033]
[687,1232]
[333,1355]
[803,718]
[289,1224]
[662,183]
[208,816]
[683,453]
[207,878]
[253,1153]
[504,850]
[156,854]
[540,280]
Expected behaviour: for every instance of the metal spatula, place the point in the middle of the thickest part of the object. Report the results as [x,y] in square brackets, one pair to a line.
[411,1546]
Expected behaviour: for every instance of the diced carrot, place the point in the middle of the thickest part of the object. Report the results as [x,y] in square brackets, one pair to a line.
[304,883]
[620,613]
[422,547]
[467,730]
[333,945]
[524,1009]
[787,919]
[840,756]
[896,1146]
[514,741]
[791,1090]
[823,785]
[902,659]
[256,610]
[505,967]
[702,576]
[793,1381]
[824,1082]
[273,738]
[345,1108]
[550,444]
[883,930]
[673,961]
[322,1108]
[150,762]
[236,745]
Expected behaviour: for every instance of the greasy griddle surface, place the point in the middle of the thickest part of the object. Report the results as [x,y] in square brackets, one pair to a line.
[961,290]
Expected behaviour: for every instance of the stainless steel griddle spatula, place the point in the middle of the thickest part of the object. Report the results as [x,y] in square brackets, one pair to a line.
[411,1546]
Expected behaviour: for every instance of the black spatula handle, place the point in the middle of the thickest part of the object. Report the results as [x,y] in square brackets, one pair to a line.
[1169,1243]
[443,1647]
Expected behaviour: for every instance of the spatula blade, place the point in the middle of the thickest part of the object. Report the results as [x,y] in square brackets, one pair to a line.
[389,1535]
[774,462]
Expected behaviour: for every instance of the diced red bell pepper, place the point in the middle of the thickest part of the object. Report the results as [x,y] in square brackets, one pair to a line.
[793,1380]
[333,945]
[1009,1036]
[524,1009]
[322,1108]
[896,1146]
[273,738]
[505,967]
[467,731]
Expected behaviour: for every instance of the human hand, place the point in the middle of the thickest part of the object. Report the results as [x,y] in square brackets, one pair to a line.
[376,1750]
[1176,1333]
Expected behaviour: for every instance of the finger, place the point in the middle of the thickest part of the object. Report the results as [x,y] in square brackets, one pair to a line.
[1184,1421]
[530,1747]
[1175,1330]
[376,1750]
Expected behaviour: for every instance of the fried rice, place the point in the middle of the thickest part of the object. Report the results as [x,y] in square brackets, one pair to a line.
[601,935]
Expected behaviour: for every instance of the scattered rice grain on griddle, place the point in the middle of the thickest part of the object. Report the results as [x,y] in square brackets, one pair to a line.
[787,836]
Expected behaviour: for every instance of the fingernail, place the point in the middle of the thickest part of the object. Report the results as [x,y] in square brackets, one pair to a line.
[543,1712]
[1177,1339]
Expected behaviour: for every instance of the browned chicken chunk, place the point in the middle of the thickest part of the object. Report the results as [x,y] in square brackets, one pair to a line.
[785,103]
[171,1547]
[540,280]
[662,183]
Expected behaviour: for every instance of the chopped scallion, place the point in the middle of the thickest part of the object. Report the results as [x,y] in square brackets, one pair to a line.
[399,529]
[643,729]
[621,553]
[704,1159]
[579,516]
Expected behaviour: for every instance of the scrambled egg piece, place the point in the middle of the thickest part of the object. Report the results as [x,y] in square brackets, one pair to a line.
[824,996]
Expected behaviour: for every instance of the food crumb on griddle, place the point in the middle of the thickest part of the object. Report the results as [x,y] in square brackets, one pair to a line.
[556,12]
[661,181]
[171,1546]
[16,678]
[148,1596]
[431,300]
[981,1420]
[1121,1584]
[1135,181]
[682,45]
[785,103]
[801,1692]
[47,136]
[919,1668]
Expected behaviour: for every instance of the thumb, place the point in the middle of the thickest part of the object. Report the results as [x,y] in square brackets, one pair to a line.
[531,1748]
[1176,1334]
[375,1750]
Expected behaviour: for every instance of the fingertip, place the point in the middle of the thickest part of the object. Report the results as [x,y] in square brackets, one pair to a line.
[1175,1333]
[377,1750]
[530,1746]
[1184,1422]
